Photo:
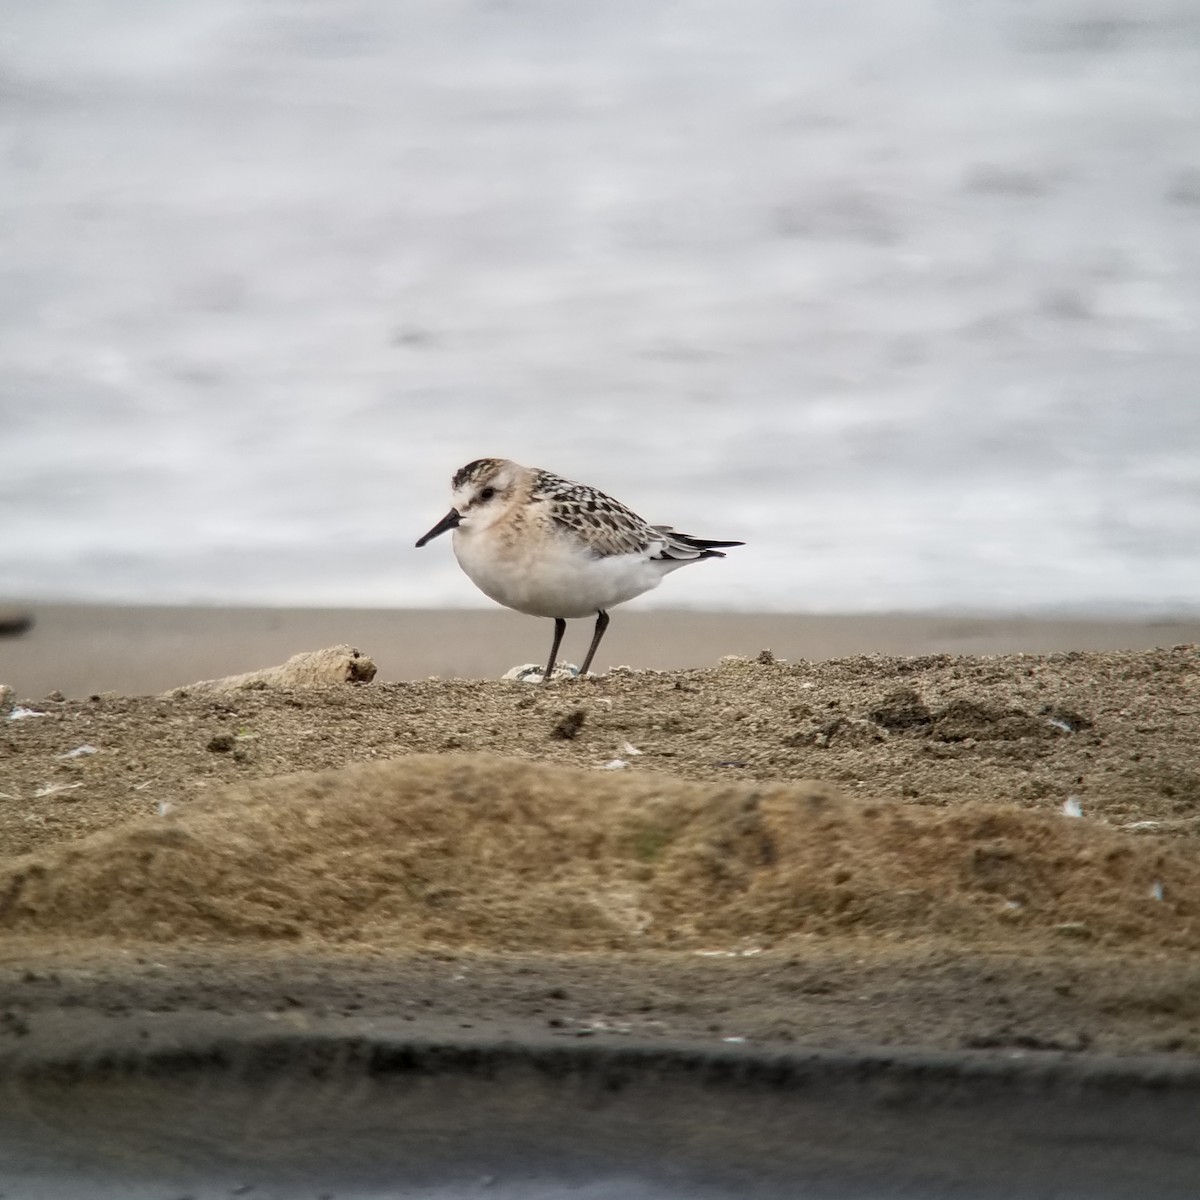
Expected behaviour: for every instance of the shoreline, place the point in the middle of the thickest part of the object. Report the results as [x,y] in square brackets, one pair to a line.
[84,649]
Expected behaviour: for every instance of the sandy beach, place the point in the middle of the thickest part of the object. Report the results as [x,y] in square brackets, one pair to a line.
[943,850]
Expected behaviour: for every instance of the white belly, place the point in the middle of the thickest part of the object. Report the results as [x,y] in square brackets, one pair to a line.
[557,581]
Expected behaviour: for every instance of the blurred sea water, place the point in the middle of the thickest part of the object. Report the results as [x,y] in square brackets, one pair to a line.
[904,293]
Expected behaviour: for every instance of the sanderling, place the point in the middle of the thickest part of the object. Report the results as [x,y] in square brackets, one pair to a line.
[552,548]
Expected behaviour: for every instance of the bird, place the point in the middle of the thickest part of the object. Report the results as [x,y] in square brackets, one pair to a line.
[546,546]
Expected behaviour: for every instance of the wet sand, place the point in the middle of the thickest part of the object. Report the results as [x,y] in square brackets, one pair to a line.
[83,649]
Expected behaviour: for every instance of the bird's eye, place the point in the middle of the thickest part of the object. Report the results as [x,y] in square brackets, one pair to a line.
[487,493]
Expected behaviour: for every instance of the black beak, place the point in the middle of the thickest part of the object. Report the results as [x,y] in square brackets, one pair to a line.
[449,521]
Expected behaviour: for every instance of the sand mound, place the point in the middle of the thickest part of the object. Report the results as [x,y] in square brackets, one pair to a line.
[486,852]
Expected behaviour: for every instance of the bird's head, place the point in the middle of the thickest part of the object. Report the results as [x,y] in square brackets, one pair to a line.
[482,492]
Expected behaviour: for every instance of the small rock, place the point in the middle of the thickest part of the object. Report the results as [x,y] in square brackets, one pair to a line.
[12,623]
[221,743]
[314,668]
[902,709]
[569,725]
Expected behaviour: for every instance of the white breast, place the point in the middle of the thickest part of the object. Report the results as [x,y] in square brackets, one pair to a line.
[551,578]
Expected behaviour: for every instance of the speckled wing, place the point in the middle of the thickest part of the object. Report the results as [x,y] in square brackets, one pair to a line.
[604,525]
[608,528]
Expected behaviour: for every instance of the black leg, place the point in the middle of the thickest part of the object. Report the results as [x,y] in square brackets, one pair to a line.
[560,627]
[601,626]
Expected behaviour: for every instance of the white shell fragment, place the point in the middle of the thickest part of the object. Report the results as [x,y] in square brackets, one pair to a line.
[80,752]
[614,764]
[53,789]
[20,714]
[532,672]
[1156,890]
[1072,807]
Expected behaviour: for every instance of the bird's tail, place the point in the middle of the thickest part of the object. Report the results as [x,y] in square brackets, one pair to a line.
[684,541]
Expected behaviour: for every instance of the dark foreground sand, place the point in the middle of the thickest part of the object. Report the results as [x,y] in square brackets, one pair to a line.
[863,851]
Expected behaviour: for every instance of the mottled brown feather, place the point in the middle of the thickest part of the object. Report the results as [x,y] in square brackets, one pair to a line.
[606,525]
